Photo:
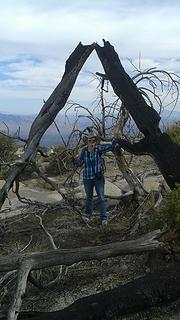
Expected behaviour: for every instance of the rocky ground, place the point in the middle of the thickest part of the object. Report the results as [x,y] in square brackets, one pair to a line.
[20,226]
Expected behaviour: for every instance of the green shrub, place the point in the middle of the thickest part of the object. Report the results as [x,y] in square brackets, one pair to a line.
[26,173]
[174,132]
[58,161]
[168,215]
[171,211]
[8,149]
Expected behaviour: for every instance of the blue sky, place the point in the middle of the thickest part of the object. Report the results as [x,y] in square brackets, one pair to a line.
[37,36]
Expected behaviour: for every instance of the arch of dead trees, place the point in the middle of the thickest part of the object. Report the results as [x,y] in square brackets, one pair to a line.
[155,143]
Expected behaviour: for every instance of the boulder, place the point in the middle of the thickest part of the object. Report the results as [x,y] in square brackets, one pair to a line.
[153,183]
[111,190]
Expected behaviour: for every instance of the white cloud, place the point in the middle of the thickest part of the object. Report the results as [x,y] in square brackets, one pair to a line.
[38,36]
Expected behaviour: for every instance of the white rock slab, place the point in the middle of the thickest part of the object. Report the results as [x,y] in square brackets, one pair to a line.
[111,190]
[153,183]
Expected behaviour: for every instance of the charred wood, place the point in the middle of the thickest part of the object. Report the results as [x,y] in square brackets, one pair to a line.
[165,152]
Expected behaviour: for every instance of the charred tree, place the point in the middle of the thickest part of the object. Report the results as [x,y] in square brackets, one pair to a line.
[134,297]
[165,152]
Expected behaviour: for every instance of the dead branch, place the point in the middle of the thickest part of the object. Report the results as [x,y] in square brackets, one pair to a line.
[48,112]
[23,273]
[133,181]
[46,232]
[57,278]
[6,277]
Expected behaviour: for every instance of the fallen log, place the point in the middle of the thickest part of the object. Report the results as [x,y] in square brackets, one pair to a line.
[154,289]
[148,242]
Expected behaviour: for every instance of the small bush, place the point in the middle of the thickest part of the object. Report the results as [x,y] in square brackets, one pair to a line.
[8,149]
[58,161]
[167,215]
[171,211]
[26,173]
[174,132]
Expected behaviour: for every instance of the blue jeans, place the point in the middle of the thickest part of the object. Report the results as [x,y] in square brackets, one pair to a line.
[89,185]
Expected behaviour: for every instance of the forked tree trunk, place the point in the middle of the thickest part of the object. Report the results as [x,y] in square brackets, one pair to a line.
[165,152]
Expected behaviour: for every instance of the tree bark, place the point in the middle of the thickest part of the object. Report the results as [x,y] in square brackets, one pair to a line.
[165,152]
[134,297]
[23,273]
[46,116]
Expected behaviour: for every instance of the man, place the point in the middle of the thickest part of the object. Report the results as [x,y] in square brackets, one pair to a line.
[93,174]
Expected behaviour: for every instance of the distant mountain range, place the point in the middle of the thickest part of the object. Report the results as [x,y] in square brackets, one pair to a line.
[52,137]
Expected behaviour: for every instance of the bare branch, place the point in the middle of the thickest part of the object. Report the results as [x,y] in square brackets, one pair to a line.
[23,273]
[46,232]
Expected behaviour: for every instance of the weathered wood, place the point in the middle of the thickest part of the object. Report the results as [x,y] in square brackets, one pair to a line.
[6,277]
[52,106]
[133,181]
[67,257]
[154,289]
[23,273]
[165,152]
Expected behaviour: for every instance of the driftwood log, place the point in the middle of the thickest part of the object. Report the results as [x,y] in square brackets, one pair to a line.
[154,289]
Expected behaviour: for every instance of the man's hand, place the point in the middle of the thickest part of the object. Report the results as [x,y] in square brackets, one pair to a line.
[71,154]
[115,131]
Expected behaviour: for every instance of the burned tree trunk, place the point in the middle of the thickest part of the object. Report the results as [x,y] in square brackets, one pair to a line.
[165,152]
[48,113]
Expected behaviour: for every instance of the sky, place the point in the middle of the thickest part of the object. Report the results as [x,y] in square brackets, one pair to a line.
[37,37]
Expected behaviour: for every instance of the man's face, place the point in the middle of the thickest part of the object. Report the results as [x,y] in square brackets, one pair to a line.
[91,143]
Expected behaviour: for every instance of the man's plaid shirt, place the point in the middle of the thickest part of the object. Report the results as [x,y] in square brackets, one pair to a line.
[92,161]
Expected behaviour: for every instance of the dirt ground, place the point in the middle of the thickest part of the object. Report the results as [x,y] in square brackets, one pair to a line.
[69,231]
